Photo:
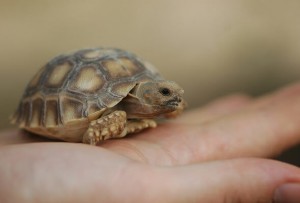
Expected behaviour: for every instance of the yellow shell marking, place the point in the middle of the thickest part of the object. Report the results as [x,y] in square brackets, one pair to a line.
[93,54]
[121,68]
[131,67]
[72,109]
[58,74]
[51,118]
[87,80]
[37,107]
[122,89]
[115,69]
[25,114]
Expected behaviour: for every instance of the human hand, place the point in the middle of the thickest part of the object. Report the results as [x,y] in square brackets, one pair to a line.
[212,154]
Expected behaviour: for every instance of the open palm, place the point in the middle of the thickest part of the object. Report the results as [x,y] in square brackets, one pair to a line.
[212,154]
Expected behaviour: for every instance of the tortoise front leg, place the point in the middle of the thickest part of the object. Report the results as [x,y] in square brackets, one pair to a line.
[112,125]
[134,126]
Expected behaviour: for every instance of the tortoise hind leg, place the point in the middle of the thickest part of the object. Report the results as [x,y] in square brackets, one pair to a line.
[112,125]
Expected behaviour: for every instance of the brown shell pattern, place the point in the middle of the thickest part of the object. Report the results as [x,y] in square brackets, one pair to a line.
[71,87]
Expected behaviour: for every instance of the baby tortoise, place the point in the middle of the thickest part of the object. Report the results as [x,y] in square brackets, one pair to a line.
[96,94]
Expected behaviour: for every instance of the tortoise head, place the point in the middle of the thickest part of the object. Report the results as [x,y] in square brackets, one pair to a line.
[154,98]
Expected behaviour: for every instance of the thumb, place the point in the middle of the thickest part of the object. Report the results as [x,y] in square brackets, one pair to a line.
[239,180]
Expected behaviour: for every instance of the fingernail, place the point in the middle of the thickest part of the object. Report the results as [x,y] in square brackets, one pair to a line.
[287,193]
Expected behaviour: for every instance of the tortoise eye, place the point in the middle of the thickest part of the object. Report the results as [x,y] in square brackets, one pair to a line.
[165,91]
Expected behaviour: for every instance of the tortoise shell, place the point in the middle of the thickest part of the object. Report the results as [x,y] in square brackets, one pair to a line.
[77,86]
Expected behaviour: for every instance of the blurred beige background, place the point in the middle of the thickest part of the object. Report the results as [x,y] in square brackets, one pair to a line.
[211,48]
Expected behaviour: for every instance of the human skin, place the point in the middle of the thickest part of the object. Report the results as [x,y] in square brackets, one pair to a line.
[218,153]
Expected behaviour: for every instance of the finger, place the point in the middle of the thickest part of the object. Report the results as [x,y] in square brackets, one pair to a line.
[64,172]
[215,109]
[93,174]
[263,129]
[240,180]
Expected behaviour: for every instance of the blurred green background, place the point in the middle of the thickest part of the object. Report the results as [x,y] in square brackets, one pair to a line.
[210,47]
